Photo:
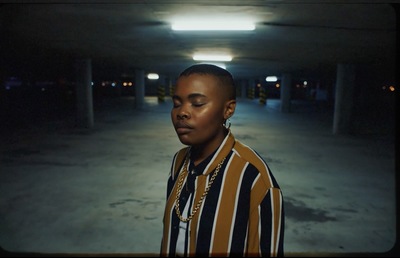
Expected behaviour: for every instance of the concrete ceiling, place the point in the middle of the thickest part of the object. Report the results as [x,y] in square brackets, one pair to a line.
[306,39]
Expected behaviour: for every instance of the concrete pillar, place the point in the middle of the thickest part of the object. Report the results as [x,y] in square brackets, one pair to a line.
[161,88]
[286,86]
[251,89]
[164,81]
[345,83]
[84,93]
[139,88]
[262,95]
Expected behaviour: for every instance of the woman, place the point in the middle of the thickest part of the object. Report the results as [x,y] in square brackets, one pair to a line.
[222,198]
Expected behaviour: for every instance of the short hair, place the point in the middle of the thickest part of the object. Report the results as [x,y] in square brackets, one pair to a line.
[225,78]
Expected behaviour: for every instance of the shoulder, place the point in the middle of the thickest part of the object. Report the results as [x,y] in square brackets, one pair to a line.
[256,163]
[181,154]
[249,155]
[178,160]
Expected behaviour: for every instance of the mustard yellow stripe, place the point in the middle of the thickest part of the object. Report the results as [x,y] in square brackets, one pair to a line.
[179,160]
[227,206]
[256,161]
[253,239]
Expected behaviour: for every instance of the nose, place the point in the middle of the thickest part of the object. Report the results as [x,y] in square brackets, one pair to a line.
[183,112]
[183,115]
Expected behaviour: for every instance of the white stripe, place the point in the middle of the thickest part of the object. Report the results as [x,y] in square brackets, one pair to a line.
[221,190]
[280,221]
[235,209]
[200,211]
[180,243]
[183,227]
[169,231]
[171,172]
[255,180]
[273,220]
[264,163]
[217,152]
[236,152]
[247,236]
[259,230]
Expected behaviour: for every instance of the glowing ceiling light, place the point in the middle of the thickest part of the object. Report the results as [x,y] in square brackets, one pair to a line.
[210,25]
[217,58]
[222,65]
[152,76]
[271,78]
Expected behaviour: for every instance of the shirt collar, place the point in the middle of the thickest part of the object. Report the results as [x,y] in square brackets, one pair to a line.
[210,163]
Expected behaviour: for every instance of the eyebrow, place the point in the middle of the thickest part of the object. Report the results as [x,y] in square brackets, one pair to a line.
[191,96]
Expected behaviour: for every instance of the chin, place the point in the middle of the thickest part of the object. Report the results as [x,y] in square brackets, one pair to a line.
[185,141]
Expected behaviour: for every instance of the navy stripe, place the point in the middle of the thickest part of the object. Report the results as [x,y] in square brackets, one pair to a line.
[266,211]
[175,220]
[242,211]
[209,213]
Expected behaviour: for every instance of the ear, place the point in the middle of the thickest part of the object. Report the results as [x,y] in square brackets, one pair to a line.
[230,106]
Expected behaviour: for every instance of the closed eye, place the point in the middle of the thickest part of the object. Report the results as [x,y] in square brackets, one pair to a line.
[176,101]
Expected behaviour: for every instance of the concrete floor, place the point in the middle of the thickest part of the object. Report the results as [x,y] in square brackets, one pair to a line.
[66,190]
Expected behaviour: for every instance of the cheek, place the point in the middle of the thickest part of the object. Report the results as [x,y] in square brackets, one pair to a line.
[207,119]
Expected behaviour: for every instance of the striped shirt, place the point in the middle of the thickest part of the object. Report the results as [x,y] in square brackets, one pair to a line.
[241,215]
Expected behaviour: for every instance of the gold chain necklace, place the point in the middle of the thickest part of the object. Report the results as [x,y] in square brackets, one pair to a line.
[180,186]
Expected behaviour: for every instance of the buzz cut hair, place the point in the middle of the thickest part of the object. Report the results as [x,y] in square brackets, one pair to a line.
[224,77]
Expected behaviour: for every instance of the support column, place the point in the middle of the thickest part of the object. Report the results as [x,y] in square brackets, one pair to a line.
[251,89]
[161,88]
[345,83]
[286,85]
[139,88]
[262,95]
[84,94]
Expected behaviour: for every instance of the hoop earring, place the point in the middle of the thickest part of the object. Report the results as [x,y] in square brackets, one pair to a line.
[227,123]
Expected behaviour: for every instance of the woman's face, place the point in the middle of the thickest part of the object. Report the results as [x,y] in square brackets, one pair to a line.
[199,110]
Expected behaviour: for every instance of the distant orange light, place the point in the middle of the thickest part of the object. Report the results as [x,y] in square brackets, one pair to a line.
[277,85]
[391,88]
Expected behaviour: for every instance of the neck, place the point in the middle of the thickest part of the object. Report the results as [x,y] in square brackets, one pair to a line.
[201,152]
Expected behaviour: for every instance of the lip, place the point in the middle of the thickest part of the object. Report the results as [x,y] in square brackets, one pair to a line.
[182,128]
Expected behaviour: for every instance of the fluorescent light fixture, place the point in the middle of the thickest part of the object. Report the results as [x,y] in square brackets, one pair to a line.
[217,58]
[207,25]
[222,65]
[271,78]
[152,76]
